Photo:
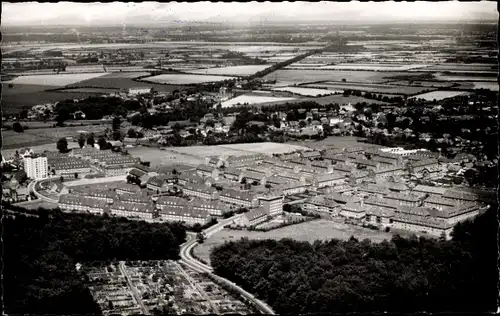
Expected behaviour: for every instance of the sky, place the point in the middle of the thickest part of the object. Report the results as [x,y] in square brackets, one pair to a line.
[119,13]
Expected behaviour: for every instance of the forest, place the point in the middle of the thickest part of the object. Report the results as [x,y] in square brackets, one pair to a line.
[402,275]
[40,254]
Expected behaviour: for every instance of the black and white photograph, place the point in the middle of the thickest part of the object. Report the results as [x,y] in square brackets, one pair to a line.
[243,158]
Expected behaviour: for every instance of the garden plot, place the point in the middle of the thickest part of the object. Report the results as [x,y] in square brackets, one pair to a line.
[312,92]
[439,95]
[231,71]
[58,80]
[182,79]
[253,99]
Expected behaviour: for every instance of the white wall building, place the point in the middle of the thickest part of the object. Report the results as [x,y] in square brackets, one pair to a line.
[36,167]
[136,91]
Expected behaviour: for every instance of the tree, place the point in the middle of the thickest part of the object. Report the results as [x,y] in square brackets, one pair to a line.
[116,123]
[200,237]
[23,114]
[302,124]
[103,144]
[91,140]
[61,179]
[62,145]
[343,80]
[76,175]
[81,141]
[17,127]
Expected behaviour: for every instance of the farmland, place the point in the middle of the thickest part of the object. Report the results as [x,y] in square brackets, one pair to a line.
[252,99]
[391,89]
[309,91]
[309,231]
[58,80]
[477,77]
[367,67]
[114,82]
[264,148]
[439,95]
[230,71]
[181,79]
[166,157]
[305,76]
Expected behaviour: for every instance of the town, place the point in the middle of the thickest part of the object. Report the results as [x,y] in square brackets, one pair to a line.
[187,167]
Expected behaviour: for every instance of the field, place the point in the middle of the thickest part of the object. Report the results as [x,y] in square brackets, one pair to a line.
[208,151]
[308,91]
[264,148]
[126,74]
[439,95]
[378,88]
[445,77]
[252,99]
[40,136]
[167,157]
[114,82]
[309,231]
[23,88]
[231,71]
[493,86]
[90,90]
[181,79]
[432,84]
[304,76]
[367,67]
[54,80]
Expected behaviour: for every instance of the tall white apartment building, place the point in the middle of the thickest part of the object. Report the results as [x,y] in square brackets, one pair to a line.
[36,167]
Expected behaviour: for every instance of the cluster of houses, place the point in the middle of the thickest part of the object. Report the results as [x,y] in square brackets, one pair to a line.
[356,184]
[107,162]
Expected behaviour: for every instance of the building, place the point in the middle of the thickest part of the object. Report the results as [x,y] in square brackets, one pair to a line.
[404,199]
[378,216]
[272,203]
[185,214]
[353,210]
[36,166]
[254,217]
[201,191]
[133,210]
[69,202]
[239,198]
[170,202]
[138,90]
[214,208]
[320,204]
[329,180]
[428,225]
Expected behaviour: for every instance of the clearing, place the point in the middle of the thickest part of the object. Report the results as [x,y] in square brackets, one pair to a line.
[309,231]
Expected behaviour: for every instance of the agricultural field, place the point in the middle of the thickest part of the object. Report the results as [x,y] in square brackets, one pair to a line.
[58,80]
[17,89]
[90,90]
[366,67]
[493,86]
[41,136]
[252,99]
[309,231]
[121,83]
[166,157]
[245,70]
[340,99]
[263,148]
[132,74]
[312,92]
[334,141]
[182,79]
[305,76]
[479,77]
[432,84]
[439,95]
[378,88]
[209,151]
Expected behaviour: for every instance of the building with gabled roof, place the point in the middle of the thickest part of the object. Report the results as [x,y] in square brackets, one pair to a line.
[239,198]
[185,214]
[134,210]
[353,210]
[201,191]
[254,217]
[321,204]
[329,179]
[214,208]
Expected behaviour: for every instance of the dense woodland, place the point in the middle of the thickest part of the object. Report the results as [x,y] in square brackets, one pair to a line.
[401,275]
[40,254]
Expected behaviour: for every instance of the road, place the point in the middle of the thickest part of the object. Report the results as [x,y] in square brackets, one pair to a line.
[137,297]
[194,264]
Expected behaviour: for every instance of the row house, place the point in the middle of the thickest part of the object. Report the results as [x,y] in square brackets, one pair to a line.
[386,161]
[357,149]
[394,186]
[127,188]
[419,166]
[214,162]
[276,181]
[483,195]
[340,198]
[232,174]
[245,160]
[459,213]
[116,170]
[254,217]
[415,210]
[320,204]
[336,159]
[133,210]
[278,163]
[374,189]
[136,173]
[272,202]
[201,191]
[358,176]
[207,171]
[329,180]
[68,202]
[438,202]
[379,216]
[333,151]
[293,187]
[214,208]
[460,196]
[429,190]
[353,210]
[239,198]
[384,172]
[288,157]
[134,198]
[404,199]
[185,214]
[290,176]
[189,178]
[251,176]
[69,166]
[167,202]
[429,225]
[310,154]
[365,163]
[158,184]
[105,195]
[343,168]
[322,166]
[384,203]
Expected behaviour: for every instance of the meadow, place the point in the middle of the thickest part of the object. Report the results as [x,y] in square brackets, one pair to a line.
[56,80]
[121,83]
[264,148]
[439,95]
[478,77]
[312,92]
[252,99]
[231,71]
[165,157]
[305,76]
[182,79]
[366,67]
[309,231]
[391,89]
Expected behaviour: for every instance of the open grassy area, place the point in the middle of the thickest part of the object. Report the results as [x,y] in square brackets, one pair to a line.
[333,141]
[165,157]
[309,231]
[113,81]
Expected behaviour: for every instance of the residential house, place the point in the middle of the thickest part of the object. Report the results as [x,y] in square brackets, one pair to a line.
[201,191]
[254,217]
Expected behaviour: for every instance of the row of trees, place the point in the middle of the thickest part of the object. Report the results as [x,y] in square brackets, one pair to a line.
[402,275]
[40,254]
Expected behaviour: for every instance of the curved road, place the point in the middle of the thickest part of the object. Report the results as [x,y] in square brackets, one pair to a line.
[194,264]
